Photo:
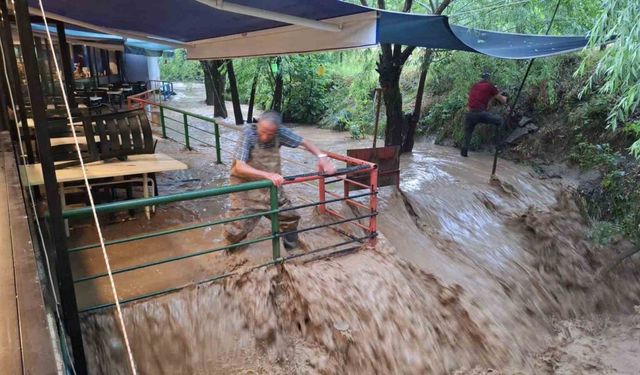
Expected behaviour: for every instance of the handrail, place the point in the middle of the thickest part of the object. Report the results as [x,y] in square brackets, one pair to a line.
[164,199]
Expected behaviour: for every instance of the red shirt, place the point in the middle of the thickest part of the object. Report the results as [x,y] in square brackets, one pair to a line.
[480,95]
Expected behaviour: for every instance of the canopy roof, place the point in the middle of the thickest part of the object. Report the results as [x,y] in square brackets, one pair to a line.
[106,41]
[212,29]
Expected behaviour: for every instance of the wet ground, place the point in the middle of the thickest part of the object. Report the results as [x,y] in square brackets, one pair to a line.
[469,276]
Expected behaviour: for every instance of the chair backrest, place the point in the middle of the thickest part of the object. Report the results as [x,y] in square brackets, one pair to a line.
[122,134]
[65,153]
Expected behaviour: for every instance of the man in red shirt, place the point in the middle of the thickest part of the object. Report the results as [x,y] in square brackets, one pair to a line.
[480,95]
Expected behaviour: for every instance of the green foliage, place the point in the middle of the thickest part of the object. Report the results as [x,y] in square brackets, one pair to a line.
[617,201]
[589,156]
[603,232]
[618,67]
[179,69]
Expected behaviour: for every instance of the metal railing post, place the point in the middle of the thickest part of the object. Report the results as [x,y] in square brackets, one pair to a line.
[186,131]
[323,196]
[164,129]
[275,225]
[373,201]
[217,132]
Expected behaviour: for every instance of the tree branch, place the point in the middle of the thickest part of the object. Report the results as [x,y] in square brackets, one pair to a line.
[406,53]
[407,6]
[443,5]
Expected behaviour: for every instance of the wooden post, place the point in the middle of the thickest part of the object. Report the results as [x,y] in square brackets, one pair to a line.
[62,266]
[14,84]
[67,71]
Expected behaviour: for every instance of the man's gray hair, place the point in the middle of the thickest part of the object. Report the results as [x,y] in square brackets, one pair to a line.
[271,116]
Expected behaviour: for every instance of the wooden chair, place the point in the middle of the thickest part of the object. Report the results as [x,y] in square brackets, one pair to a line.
[65,154]
[122,134]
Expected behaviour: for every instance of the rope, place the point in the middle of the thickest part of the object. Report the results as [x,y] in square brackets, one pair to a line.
[32,200]
[88,187]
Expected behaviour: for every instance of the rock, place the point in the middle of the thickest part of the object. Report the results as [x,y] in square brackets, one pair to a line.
[524,121]
[519,133]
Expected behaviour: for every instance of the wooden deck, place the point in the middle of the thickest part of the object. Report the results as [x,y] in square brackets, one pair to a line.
[26,342]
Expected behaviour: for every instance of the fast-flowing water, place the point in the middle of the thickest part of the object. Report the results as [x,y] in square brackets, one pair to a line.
[469,276]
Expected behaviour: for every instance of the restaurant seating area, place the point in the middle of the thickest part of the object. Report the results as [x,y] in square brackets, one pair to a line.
[106,98]
[118,149]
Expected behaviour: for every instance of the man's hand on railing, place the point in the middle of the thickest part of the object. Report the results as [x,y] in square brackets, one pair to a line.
[325,166]
[277,179]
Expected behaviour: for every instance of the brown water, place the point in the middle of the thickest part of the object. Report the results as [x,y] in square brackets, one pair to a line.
[467,277]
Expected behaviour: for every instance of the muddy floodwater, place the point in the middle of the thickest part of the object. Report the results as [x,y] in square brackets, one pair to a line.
[468,276]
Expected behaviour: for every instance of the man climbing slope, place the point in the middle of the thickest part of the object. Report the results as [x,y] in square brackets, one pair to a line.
[480,95]
[257,157]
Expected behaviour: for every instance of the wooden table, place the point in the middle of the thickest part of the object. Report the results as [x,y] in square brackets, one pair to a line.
[134,165]
[117,93]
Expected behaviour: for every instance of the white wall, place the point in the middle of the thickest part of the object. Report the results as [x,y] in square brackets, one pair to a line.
[153,67]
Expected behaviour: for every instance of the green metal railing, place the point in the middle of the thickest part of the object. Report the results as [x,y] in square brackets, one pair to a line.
[185,127]
[191,195]
[206,193]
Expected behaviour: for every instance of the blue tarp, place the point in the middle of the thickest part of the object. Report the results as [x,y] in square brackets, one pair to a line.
[190,21]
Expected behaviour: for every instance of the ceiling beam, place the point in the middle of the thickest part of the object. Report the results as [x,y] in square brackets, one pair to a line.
[269,15]
[105,30]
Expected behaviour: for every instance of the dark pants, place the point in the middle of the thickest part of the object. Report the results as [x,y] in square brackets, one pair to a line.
[473,118]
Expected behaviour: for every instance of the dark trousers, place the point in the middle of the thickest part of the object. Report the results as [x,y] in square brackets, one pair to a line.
[473,118]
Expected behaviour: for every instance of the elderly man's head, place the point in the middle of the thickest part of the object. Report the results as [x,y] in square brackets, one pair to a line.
[268,125]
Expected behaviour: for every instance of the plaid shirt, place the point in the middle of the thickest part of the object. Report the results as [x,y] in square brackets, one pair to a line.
[249,139]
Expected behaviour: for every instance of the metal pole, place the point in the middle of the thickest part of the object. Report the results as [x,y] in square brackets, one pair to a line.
[14,82]
[186,131]
[378,94]
[275,225]
[515,101]
[216,128]
[323,196]
[5,121]
[164,129]
[63,268]
[66,64]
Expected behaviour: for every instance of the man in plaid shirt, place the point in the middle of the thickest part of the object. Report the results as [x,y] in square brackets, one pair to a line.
[257,157]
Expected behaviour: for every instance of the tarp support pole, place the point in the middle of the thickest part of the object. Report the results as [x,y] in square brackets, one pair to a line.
[515,101]
[269,15]
[62,266]
[66,64]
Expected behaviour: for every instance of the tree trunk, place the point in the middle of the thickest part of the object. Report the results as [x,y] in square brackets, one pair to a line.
[208,83]
[235,98]
[278,90]
[217,92]
[389,70]
[390,64]
[252,95]
[412,124]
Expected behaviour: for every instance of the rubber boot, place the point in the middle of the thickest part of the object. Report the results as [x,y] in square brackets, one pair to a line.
[290,240]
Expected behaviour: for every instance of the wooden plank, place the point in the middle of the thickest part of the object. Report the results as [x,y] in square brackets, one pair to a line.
[36,341]
[10,353]
[59,141]
[135,164]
